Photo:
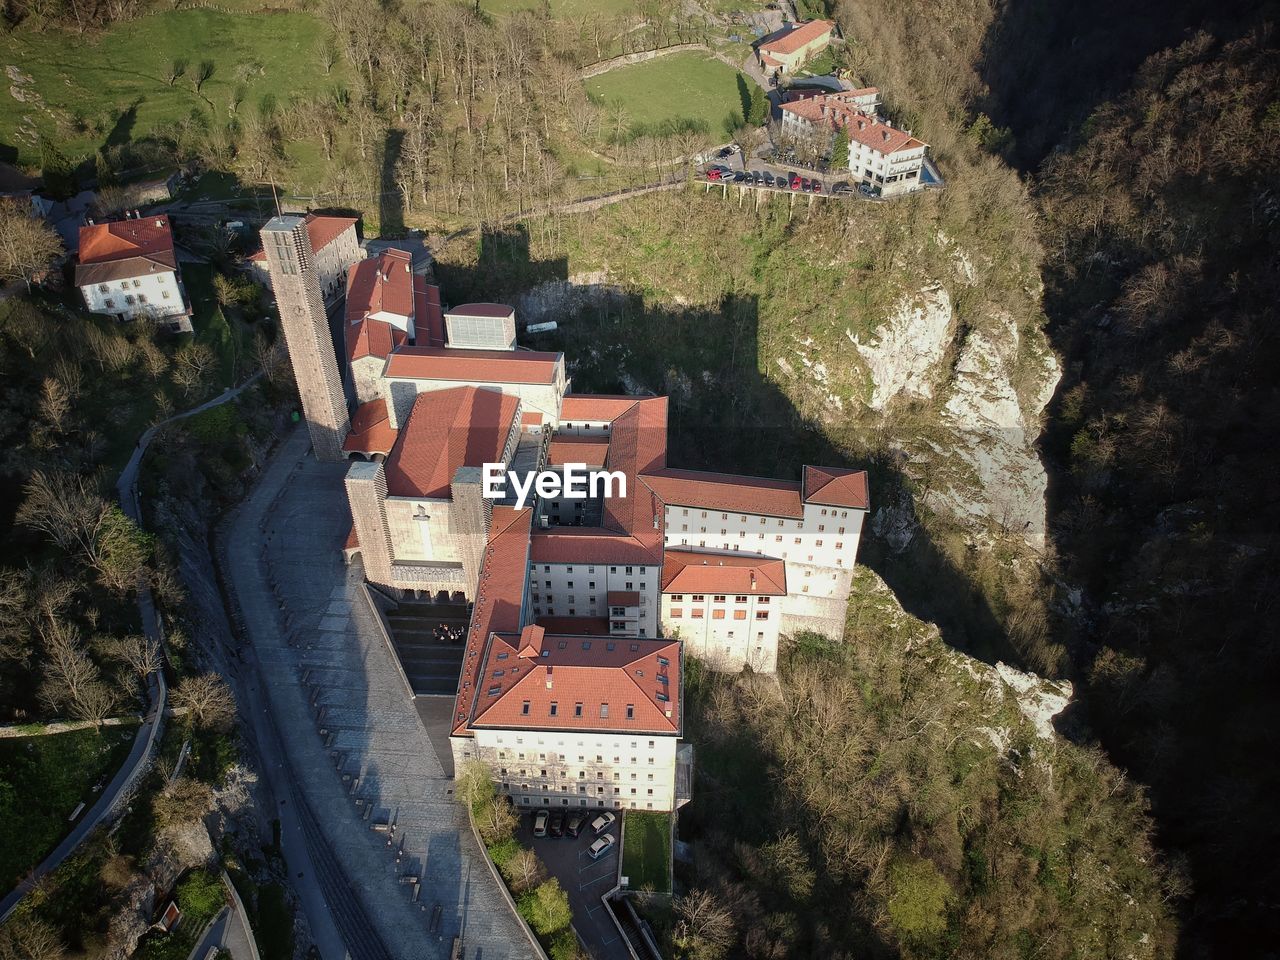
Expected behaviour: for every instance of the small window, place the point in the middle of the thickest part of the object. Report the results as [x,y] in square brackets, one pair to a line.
[524,708]
[555,708]
[604,710]
[577,709]
[631,711]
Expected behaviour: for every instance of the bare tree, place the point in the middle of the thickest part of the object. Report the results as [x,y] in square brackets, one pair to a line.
[705,926]
[182,801]
[71,678]
[27,938]
[208,700]
[524,871]
[200,76]
[65,508]
[139,653]
[27,244]
[496,821]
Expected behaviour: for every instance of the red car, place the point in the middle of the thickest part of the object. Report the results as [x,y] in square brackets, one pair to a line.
[795,183]
[713,173]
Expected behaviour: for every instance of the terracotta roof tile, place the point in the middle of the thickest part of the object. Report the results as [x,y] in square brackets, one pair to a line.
[125,248]
[593,408]
[486,366]
[498,602]
[727,493]
[428,317]
[448,429]
[861,128]
[624,685]
[371,430]
[482,310]
[568,448]
[576,626]
[838,487]
[684,571]
[802,34]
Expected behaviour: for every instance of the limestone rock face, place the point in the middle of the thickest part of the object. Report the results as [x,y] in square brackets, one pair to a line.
[905,351]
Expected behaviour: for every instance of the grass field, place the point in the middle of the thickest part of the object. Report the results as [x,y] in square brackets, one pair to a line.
[109,88]
[687,89]
[646,850]
[41,781]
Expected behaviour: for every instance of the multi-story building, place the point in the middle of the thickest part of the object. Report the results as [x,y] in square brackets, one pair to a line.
[785,54]
[128,269]
[581,606]
[888,159]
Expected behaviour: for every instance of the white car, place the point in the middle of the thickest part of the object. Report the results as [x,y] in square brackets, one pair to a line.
[603,822]
[602,846]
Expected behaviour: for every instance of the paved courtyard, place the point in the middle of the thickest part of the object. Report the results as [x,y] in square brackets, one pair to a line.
[357,750]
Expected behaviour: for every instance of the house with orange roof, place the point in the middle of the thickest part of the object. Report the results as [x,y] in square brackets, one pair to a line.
[128,269]
[887,159]
[785,52]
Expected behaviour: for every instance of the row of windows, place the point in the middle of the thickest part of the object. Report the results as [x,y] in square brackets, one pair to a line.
[742,517]
[124,285]
[715,598]
[577,709]
[560,743]
[696,614]
[684,542]
[109,303]
[546,568]
[599,790]
[582,774]
[742,534]
[591,584]
[618,804]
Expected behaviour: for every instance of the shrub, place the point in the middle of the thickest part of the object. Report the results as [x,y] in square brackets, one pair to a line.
[546,909]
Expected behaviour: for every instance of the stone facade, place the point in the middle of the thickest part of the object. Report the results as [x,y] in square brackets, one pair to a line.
[296,284]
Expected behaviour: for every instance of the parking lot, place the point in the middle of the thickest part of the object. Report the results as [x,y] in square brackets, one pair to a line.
[583,879]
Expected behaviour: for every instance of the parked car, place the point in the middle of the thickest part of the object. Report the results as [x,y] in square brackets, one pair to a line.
[574,826]
[713,173]
[816,186]
[540,823]
[602,822]
[739,177]
[601,846]
[557,824]
[725,152]
[768,178]
[866,190]
[795,182]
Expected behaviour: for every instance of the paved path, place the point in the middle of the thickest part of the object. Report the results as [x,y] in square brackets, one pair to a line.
[305,620]
[108,801]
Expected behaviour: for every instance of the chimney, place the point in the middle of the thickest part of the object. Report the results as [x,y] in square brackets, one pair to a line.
[406,267]
[753,581]
[549,669]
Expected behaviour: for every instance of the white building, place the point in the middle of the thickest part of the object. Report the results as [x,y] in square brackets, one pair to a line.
[887,159]
[580,721]
[128,269]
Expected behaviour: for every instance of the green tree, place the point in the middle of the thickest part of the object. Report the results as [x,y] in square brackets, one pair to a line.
[122,551]
[546,909]
[758,113]
[918,899]
[840,152]
[58,172]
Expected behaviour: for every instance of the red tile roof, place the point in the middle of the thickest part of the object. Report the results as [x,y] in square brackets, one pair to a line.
[568,448]
[623,598]
[498,602]
[428,317]
[371,430]
[448,429]
[684,571]
[861,128]
[575,626]
[482,310]
[588,544]
[531,418]
[606,675]
[837,487]
[727,493]
[122,239]
[802,34]
[381,284]
[483,366]
[593,408]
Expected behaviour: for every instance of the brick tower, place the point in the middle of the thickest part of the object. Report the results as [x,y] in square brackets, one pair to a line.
[292,268]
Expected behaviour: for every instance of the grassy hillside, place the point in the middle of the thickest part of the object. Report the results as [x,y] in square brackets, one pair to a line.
[106,89]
